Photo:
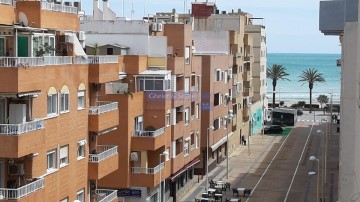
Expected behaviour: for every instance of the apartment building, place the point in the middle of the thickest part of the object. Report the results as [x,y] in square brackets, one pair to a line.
[340,18]
[161,117]
[48,105]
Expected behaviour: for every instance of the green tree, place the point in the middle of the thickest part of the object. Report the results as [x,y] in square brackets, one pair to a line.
[301,104]
[311,76]
[275,73]
[322,99]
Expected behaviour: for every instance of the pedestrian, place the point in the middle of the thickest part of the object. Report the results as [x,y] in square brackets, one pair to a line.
[243,140]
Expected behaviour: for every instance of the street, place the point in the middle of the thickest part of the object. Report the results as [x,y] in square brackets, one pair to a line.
[278,166]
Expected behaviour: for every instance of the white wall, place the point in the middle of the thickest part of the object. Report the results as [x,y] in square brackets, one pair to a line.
[157,46]
[118,26]
[211,42]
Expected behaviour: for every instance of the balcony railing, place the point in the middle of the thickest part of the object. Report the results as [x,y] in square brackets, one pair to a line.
[116,88]
[21,61]
[139,170]
[154,133]
[103,152]
[18,129]
[105,195]
[104,59]
[57,60]
[11,194]
[192,147]
[8,2]
[58,8]
[103,107]
[194,88]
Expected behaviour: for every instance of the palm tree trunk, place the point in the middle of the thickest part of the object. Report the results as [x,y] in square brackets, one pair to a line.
[310,99]
[273,102]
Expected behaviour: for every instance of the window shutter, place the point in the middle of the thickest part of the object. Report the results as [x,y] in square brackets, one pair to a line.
[173,114]
[63,152]
[173,149]
[173,83]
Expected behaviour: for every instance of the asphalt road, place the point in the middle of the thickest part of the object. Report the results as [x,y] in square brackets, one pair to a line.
[277,167]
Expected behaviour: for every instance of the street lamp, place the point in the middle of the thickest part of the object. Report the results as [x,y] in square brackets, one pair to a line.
[207,156]
[227,148]
[313,158]
[320,132]
[166,154]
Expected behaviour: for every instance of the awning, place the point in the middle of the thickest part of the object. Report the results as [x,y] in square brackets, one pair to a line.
[220,142]
[122,75]
[155,72]
[185,168]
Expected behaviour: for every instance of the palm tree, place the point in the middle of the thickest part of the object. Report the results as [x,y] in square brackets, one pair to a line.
[276,72]
[311,76]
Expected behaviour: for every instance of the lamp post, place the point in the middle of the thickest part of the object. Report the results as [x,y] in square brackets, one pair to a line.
[207,156]
[320,132]
[250,128]
[166,154]
[313,158]
[227,148]
[327,134]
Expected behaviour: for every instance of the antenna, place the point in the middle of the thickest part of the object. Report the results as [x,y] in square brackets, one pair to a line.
[132,10]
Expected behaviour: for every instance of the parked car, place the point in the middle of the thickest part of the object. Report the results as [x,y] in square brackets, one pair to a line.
[274,129]
[299,112]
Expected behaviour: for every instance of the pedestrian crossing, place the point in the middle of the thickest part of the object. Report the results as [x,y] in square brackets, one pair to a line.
[311,120]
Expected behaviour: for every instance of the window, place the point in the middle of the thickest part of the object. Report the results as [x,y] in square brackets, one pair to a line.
[187,85]
[2,47]
[218,75]
[186,147]
[139,123]
[81,96]
[193,110]
[81,149]
[192,140]
[52,108]
[80,195]
[216,124]
[197,144]
[218,99]
[110,51]
[187,55]
[65,199]
[167,119]
[153,83]
[64,159]
[187,116]
[197,112]
[225,77]
[51,161]
[64,100]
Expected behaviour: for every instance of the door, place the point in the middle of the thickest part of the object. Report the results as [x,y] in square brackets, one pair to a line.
[2,47]
[23,46]
[2,173]
[2,111]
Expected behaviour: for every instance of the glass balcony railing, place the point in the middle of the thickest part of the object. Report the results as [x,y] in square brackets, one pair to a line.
[139,170]
[18,129]
[154,133]
[58,8]
[7,2]
[14,194]
[91,59]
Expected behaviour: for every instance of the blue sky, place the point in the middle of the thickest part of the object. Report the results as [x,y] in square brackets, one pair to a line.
[291,25]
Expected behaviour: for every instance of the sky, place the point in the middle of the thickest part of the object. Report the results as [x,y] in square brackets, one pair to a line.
[292,26]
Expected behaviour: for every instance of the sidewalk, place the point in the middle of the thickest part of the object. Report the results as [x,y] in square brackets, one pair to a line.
[240,165]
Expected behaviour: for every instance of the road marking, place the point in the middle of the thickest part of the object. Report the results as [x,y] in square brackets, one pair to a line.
[297,167]
[267,168]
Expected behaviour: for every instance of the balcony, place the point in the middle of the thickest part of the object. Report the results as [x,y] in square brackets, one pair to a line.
[102,69]
[103,161]
[194,88]
[44,13]
[247,76]
[332,15]
[248,92]
[103,116]
[27,192]
[146,177]
[17,74]
[148,140]
[17,140]
[177,163]
[116,88]
[176,65]
[105,195]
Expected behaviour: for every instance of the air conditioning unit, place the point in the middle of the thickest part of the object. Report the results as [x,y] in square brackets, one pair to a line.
[134,156]
[160,27]
[82,36]
[16,169]
[154,27]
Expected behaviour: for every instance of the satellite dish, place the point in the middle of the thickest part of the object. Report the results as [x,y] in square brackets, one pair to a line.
[23,19]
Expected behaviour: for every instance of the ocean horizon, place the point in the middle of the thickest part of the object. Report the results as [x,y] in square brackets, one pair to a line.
[293,91]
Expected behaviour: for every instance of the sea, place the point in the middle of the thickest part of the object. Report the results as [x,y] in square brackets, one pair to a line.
[293,91]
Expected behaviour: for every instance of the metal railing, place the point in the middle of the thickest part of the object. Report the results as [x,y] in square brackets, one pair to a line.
[139,170]
[105,195]
[194,88]
[58,8]
[91,59]
[103,107]
[18,129]
[10,194]
[8,2]
[21,61]
[57,60]
[116,88]
[154,133]
[103,152]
